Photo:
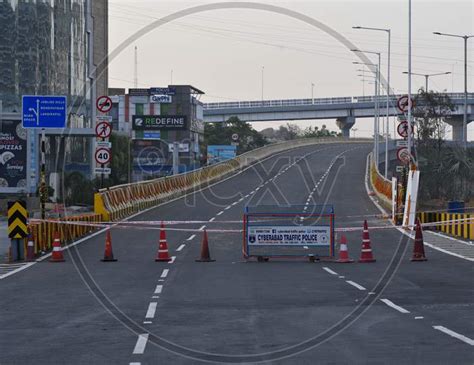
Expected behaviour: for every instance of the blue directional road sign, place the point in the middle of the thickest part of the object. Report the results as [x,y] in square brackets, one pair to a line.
[44,111]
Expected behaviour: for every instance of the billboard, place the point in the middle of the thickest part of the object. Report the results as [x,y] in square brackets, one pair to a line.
[219,153]
[154,122]
[13,157]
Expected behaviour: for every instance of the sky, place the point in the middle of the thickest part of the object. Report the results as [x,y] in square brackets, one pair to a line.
[223,52]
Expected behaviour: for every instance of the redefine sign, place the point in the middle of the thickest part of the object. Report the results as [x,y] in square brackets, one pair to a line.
[154,122]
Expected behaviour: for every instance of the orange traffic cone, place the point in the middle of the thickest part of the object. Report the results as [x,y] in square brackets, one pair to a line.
[366,252]
[205,255]
[57,255]
[30,248]
[419,247]
[343,253]
[108,253]
[163,254]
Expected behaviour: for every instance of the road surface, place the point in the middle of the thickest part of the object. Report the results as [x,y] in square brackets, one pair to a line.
[138,311]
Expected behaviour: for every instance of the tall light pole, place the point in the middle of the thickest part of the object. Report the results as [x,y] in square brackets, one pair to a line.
[312,93]
[409,82]
[465,37]
[427,76]
[263,70]
[376,106]
[387,117]
[378,111]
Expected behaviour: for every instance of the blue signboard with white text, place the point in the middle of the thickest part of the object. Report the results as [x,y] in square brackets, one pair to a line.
[44,111]
[219,153]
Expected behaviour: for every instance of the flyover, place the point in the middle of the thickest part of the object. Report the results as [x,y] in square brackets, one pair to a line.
[137,310]
[345,110]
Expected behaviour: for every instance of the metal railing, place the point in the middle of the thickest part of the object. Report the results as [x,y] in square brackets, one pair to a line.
[318,101]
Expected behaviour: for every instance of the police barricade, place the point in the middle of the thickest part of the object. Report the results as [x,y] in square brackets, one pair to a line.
[288,232]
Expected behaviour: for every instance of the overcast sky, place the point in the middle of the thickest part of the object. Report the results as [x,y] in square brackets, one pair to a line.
[222,52]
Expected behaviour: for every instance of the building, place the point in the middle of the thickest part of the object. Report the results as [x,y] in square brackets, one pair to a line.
[44,50]
[155,118]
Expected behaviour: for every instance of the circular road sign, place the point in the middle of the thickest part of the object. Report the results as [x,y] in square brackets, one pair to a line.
[103,130]
[235,137]
[104,104]
[402,103]
[102,156]
[403,155]
[402,129]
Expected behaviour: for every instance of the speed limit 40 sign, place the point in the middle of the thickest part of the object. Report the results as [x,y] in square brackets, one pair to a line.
[102,156]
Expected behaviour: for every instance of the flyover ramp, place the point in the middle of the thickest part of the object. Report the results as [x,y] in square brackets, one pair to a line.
[85,311]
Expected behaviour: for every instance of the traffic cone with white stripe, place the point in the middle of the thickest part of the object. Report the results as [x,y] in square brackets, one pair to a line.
[205,254]
[30,248]
[57,254]
[419,247]
[366,252]
[163,254]
[108,253]
[343,253]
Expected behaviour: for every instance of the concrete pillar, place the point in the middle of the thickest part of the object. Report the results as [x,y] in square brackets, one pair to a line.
[456,122]
[345,124]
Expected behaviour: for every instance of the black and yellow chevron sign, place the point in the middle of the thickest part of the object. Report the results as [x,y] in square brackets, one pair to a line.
[17,219]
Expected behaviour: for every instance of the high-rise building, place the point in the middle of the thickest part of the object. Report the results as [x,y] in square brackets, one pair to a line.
[45,49]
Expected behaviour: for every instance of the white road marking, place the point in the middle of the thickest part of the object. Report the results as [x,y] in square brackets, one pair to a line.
[221,212]
[172,259]
[212,219]
[155,297]
[191,237]
[181,247]
[165,272]
[330,271]
[202,228]
[227,207]
[455,335]
[159,289]
[306,247]
[150,313]
[354,284]
[234,203]
[394,306]
[419,317]
[147,322]
[135,363]
[141,344]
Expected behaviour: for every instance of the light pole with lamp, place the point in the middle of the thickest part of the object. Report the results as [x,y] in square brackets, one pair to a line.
[465,37]
[427,76]
[312,93]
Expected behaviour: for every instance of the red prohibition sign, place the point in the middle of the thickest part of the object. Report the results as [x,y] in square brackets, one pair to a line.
[102,156]
[103,130]
[104,104]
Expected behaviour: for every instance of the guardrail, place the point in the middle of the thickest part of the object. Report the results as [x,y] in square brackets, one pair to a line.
[453,225]
[318,101]
[381,186]
[121,201]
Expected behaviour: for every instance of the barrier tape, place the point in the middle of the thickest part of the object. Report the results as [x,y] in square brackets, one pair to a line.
[155,225]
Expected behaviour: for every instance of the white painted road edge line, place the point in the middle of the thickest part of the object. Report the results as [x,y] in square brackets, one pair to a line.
[330,271]
[150,313]
[394,306]
[165,272]
[191,237]
[141,344]
[455,335]
[159,289]
[172,259]
[181,247]
[360,287]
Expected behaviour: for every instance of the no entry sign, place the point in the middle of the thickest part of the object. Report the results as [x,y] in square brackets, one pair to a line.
[104,104]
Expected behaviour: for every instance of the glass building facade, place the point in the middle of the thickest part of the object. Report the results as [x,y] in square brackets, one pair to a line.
[43,51]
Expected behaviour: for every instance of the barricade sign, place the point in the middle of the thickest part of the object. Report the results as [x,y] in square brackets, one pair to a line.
[276,231]
[17,219]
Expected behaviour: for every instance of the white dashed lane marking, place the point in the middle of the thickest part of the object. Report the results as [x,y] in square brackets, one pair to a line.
[191,237]
[159,289]
[354,284]
[202,228]
[150,313]
[330,271]
[451,333]
[172,259]
[165,272]
[181,247]
[394,306]
[141,344]
[212,219]
[221,212]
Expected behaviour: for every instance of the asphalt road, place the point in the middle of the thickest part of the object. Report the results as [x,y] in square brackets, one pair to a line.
[136,310]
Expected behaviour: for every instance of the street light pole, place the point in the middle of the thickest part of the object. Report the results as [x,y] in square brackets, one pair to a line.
[387,116]
[465,38]
[263,69]
[312,93]
[427,76]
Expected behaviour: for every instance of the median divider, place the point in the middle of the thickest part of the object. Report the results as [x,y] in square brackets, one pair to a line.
[118,202]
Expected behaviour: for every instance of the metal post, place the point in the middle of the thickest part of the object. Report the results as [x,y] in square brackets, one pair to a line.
[312,93]
[409,80]
[378,113]
[175,158]
[426,82]
[43,190]
[464,124]
[375,123]
[263,69]
[387,121]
